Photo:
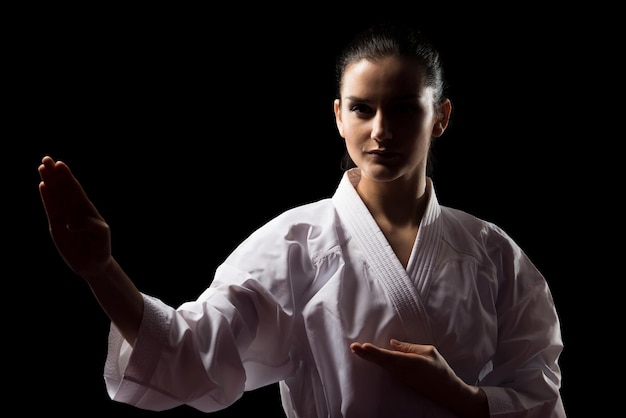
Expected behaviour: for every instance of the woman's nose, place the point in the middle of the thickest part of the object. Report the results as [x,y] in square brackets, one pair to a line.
[380,128]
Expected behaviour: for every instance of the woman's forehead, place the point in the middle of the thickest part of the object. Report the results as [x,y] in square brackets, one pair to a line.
[390,73]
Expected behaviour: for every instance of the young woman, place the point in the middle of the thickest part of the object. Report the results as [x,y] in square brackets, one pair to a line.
[377,301]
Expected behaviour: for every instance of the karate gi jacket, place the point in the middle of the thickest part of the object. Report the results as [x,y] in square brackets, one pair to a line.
[288,301]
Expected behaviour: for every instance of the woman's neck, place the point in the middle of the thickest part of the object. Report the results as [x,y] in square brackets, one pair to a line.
[399,203]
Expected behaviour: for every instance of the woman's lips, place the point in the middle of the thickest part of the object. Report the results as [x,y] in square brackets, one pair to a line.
[382,154]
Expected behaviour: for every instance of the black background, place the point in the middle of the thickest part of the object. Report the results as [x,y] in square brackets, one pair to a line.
[189,128]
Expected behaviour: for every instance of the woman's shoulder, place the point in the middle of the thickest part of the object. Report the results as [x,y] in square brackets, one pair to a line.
[460,223]
[315,215]
[310,226]
[314,211]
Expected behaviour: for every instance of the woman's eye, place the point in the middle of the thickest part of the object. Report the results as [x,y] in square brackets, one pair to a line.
[359,108]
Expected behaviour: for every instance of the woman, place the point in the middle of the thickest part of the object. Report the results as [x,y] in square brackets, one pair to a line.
[375,302]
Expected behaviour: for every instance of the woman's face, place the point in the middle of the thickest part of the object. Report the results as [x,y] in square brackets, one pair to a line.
[387,117]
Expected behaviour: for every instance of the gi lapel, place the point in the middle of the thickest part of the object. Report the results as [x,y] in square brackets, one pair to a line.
[397,283]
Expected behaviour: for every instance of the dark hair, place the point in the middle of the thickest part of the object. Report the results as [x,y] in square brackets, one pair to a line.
[392,39]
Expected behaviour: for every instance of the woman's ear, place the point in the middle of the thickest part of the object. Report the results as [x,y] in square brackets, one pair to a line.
[338,121]
[443,117]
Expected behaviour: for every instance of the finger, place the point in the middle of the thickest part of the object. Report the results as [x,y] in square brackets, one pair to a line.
[45,198]
[63,196]
[47,171]
[403,346]
[374,353]
[409,348]
[57,176]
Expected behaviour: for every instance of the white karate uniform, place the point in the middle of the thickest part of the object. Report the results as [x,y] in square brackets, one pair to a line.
[286,304]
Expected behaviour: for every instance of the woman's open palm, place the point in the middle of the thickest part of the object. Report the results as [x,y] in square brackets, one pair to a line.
[79,232]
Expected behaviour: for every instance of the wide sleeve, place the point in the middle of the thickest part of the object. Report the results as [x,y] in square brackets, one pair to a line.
[524,377]
[237,336]
[165,370]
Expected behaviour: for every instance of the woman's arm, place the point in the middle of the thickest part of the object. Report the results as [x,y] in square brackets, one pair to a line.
[83,239]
